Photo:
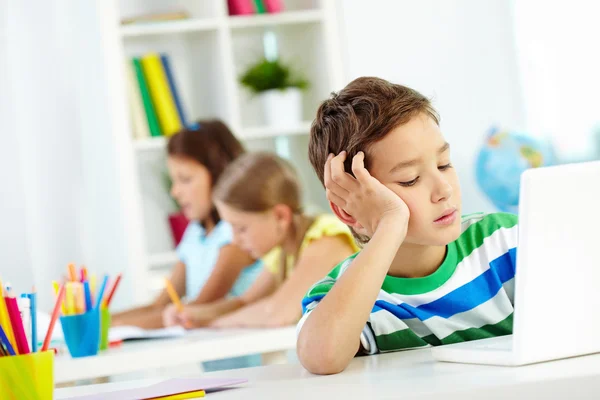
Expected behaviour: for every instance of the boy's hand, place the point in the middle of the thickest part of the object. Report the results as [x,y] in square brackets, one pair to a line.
[366,200]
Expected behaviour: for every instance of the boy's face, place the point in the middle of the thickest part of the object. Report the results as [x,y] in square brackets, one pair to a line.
[413,160]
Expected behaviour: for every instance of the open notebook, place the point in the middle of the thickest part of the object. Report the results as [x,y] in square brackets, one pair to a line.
[134,333]
[167,387]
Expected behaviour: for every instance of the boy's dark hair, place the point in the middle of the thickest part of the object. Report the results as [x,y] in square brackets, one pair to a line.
[210,143]
[362,113]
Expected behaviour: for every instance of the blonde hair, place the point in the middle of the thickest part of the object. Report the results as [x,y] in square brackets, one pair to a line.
[257,182]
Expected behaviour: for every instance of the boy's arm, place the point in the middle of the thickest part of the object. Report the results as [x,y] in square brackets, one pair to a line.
[330,336]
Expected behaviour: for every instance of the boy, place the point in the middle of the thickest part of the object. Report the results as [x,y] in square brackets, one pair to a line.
[424,277]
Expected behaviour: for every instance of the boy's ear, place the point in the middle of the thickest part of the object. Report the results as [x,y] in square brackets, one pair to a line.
[343,215]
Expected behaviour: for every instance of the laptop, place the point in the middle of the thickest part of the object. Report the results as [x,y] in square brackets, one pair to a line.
[557,281]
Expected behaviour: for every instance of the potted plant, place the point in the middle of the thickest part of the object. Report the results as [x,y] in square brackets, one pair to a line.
[279,90]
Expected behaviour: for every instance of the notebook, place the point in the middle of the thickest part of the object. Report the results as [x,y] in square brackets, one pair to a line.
[134,333]
[167,387]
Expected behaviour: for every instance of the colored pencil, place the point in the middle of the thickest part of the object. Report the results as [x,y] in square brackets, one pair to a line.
[112,291]
[173,295]
[101,292]
[5,319]
[88,296]
[70,298]
[6,343]
[55,311]
[17,324]
[93,287]
[62,303]
[33,306]
[72,274]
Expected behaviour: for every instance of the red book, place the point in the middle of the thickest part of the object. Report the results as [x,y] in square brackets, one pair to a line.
[273,6]
[240,7]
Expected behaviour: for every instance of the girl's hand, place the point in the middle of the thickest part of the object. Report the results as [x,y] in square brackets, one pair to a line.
[169,316]
[364,200]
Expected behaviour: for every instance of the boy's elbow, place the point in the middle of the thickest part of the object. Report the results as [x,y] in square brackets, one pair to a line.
[319,356]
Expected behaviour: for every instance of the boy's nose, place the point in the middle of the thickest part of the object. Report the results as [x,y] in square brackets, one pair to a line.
[442,192]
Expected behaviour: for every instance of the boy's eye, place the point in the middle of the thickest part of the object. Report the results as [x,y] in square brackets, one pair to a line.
[445,167]
[409,183]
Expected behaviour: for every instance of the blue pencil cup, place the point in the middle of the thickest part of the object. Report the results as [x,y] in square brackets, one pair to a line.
[82,333]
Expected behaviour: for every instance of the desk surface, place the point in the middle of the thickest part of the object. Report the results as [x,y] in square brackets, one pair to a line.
[406,375]
[197,346]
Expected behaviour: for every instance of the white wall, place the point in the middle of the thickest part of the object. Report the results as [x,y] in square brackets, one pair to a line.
[460,52]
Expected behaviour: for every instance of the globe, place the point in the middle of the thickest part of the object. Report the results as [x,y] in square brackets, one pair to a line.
[501,161]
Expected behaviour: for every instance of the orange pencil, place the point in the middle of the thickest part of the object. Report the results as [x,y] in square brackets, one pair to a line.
[173,295]
[59,299]
[112,291]
[72,274]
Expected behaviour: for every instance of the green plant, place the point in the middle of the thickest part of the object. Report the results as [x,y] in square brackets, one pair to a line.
[267,75]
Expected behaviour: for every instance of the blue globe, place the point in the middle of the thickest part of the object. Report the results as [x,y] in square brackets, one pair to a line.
[502,160]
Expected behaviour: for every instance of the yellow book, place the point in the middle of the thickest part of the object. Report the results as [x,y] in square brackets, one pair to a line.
[5,320]
[181,396]
[161,95]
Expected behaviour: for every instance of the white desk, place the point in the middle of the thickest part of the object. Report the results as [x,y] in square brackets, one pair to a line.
[198,346]
[404,375]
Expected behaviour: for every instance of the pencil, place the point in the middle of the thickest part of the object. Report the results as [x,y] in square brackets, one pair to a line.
[5,319]
[112,291]
[33,307]
[101,292]
[17,324]
[62,303]
[70,298]
[72,274]
[173,295]
[6,343]
[59,299]
[88,296]
[181,396]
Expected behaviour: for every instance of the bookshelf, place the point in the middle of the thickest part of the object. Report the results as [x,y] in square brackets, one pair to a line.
[207,53]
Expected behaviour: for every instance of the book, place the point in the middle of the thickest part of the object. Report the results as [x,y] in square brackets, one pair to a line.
[139,122]
[173,86]
[168,387]
[161,95]
[273,6]
[146,100]
[240,7]
[134,333]
[259,6]
[158,17]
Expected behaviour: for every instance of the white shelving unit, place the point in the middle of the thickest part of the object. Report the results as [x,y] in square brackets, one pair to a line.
[208,52]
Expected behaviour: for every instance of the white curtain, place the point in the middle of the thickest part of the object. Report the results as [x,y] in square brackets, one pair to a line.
[62,199]
[559,62]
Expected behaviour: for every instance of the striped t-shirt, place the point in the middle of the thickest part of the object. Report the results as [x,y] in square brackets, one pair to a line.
[470,296]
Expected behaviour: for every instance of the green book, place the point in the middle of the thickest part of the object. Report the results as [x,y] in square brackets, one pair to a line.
[260,6]
[148,106]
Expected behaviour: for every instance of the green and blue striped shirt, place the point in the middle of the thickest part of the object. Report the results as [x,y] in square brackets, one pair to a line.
[470,296]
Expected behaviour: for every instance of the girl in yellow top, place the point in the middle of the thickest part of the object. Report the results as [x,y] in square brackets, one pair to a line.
[259,195]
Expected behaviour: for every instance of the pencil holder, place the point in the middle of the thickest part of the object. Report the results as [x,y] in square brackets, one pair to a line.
[104,328]
[82,333]
[29,376]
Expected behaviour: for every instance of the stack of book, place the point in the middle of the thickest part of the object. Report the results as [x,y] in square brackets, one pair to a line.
[246,7]
[156,107]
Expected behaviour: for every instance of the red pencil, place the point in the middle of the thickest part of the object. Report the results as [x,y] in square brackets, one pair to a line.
[112,291]
[59,300]
[17,324]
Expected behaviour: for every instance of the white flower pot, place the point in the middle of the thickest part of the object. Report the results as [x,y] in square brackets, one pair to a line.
[282,108]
